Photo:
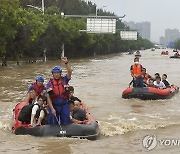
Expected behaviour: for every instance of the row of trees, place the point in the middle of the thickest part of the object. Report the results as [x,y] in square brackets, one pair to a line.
[26,33]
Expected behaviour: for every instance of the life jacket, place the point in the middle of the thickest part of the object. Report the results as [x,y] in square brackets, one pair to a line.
[136,70]
[146,76]
[37,88]
[59,88]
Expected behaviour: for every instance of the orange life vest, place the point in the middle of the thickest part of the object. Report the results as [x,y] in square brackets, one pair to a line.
[146,76]
[58,87]
[37,88]
[136,69]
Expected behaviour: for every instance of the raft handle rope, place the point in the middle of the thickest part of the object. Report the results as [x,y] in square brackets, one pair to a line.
[61,130]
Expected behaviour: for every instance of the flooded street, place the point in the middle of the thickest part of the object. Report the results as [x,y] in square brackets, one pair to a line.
[99,83]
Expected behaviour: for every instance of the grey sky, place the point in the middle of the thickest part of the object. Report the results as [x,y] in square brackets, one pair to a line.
[162,14]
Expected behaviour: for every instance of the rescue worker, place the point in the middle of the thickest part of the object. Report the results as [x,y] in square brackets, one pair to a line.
[58,95]
[145,76]
[136,73]
[38,86]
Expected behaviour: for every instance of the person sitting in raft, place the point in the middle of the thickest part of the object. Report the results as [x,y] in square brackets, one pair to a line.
[145,84]
[32,95]
[74,98]
[159,84]
[145,76]
[151,83]
[77,115]
[71,106]
[39,113]
[38,86]
[25,113]
[164,80]
[44,94]
[177,54]
[155,76]
[136,73]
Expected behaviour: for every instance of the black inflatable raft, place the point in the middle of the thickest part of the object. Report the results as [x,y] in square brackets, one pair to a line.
[89,131]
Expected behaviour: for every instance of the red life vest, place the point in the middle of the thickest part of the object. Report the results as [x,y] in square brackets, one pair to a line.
[136,69]
[58,87]
[37,88]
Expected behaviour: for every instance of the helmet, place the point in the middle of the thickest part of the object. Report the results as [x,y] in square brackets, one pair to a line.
[40,78]
[56,69]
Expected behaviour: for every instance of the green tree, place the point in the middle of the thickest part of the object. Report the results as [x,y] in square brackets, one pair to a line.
[17,25]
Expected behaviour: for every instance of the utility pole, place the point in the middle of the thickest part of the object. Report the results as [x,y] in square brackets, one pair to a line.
[42,6]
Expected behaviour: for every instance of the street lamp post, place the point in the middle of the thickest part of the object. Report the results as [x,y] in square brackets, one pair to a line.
[38,8]
[97,9]
[43,6]
[62,53]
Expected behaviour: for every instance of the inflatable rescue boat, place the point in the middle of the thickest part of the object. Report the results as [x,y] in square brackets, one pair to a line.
[89,131]
[150,93]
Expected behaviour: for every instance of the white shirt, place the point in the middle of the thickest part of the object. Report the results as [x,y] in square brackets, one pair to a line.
[35,108]
[161,84]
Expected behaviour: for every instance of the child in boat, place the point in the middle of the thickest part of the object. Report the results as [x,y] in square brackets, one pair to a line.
[164,80]
[39,113]
[159,84]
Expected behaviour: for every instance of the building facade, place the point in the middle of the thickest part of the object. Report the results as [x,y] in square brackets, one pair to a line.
[143,28]
[171,35]
[162,41]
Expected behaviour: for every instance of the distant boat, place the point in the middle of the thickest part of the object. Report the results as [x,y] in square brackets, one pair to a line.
[130,52]
[176,55]
[164,53]
[137,54]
